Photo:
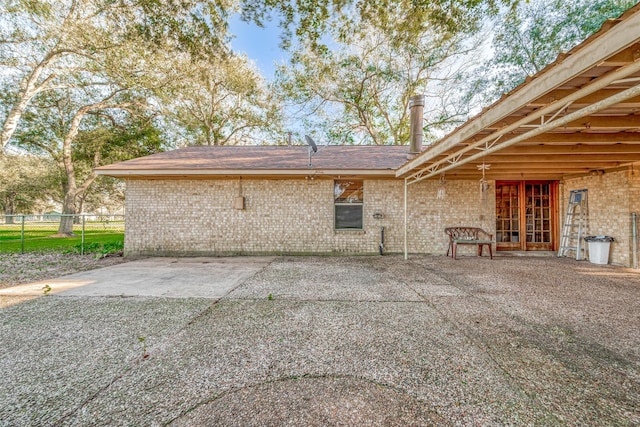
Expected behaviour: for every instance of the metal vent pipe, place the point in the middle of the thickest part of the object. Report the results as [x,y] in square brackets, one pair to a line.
[416,108]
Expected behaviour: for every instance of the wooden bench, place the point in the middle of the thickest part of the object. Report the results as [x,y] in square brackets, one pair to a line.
[468,236]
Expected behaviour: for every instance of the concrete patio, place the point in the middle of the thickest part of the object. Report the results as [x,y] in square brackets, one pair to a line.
[326,341]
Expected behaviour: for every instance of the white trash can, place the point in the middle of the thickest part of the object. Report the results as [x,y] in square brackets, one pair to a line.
[599,249]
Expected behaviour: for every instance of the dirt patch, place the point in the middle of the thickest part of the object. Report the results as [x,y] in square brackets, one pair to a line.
[16,269]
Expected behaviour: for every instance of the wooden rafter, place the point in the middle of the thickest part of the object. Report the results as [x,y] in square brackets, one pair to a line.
[455,160]
[579,114]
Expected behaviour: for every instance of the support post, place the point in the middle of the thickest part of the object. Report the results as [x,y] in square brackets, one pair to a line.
[22,235]
[406,255]
[82,243]
[634,236]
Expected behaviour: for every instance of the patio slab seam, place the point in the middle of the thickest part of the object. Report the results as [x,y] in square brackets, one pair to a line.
[479,344]
[537,335]
[131,366]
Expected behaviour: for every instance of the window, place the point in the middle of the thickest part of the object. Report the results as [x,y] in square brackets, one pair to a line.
[348,205]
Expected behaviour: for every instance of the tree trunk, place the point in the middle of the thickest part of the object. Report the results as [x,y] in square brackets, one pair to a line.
[29,87]
[68,209]
[11,123]
[70,186]
[80,209]
[9,209]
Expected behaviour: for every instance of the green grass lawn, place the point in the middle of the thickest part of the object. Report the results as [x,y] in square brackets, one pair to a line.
[37,237]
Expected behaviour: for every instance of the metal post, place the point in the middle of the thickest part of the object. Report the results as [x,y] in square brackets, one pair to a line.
[579,243]
[82,243]
[22,235]
[406,255]
[634,234]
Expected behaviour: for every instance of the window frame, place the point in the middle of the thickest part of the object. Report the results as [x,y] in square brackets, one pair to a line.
[337,203]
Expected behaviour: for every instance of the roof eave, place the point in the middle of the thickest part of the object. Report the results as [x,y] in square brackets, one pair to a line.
[131,173]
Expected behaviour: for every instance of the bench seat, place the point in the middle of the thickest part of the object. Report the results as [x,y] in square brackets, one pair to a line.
[468,236]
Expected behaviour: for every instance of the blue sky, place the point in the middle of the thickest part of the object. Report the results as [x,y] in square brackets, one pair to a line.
[260,44]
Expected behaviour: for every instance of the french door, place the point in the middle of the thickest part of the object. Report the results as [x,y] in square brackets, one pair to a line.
[526,213]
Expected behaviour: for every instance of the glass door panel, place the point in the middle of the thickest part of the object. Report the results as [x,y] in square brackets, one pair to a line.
[539,230]
[508,215]
[525,213]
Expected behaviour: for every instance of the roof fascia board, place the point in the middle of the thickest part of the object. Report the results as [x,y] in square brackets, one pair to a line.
[124,173]
[593,54]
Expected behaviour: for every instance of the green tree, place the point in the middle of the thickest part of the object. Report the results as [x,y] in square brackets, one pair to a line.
[531,36]
[109,137]
[222,102]
[105,196]
[75,67]
[25,181]
[75,71]
[309,22]
[358,91]
[79,136]
[47,45]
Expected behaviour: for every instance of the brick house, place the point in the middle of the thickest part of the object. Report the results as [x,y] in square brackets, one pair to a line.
[266,199]
[574,125]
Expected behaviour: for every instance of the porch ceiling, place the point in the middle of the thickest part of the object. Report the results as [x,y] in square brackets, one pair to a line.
[578,116]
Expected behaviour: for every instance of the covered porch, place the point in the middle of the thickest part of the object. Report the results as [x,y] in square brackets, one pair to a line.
[574,125]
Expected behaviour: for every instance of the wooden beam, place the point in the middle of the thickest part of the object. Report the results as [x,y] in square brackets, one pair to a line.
[590,53]
[456,160]
[558,166]
[589,122]
[532,174]
[572,138]
[589,99]
[567,158]
[626,56]
[511,176]
[543,175]
[585,138]
[558,150]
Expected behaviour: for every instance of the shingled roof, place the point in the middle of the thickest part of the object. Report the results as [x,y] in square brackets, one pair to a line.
[264,160]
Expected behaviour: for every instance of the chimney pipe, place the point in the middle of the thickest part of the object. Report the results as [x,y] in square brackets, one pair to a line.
[416,107]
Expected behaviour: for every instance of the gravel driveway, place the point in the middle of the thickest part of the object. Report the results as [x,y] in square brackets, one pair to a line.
[338,341]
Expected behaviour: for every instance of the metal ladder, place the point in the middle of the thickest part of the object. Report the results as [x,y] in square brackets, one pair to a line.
[576,225]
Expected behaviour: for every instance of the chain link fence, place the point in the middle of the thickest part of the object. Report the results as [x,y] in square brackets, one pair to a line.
[91,233]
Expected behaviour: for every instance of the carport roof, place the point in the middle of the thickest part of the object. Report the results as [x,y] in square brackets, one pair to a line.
[265,161]
[578,116]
